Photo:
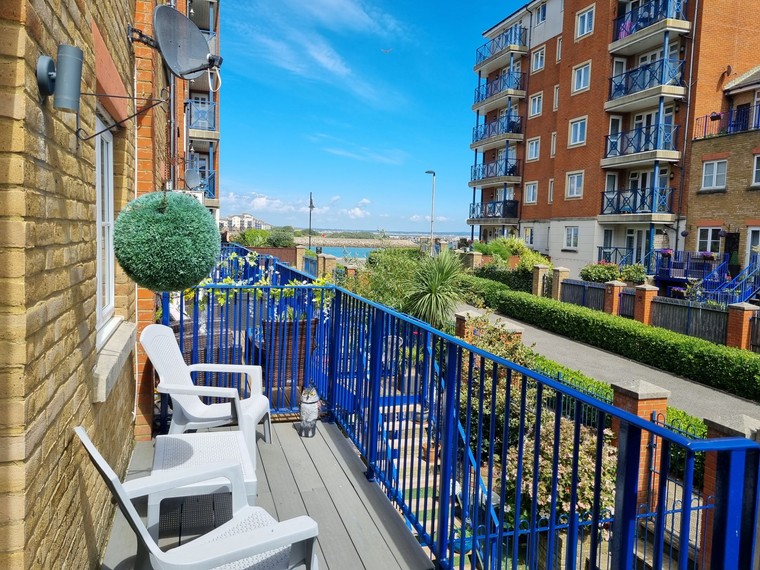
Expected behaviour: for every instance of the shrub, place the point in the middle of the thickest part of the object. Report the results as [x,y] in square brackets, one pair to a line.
[432,293]
[281,237]
[518,279]
[251,238]
[635,273]
[600,272]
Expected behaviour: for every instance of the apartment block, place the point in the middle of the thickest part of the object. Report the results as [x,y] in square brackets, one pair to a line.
[584,119]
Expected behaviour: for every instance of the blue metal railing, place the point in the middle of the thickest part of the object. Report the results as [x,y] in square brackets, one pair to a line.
[654,74]
[741,288]
[514,36]
[647,14]
[638,201]
[202,115]
[495,209]
[641,139]
[513,80]
[476,451]
[208,181]
[737,120]
[502,167]
[613,254]
[501,126]
[685,265]
[310,265]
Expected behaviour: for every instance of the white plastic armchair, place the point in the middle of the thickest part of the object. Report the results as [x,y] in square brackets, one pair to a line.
[251,539]
[189,411]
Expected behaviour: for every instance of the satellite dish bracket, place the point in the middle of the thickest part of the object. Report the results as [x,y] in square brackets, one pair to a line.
[135,35]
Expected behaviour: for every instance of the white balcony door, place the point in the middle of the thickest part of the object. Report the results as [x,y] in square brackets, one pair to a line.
[753,241]
[200,112]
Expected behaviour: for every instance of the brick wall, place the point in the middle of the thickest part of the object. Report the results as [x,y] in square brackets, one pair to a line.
[52,514]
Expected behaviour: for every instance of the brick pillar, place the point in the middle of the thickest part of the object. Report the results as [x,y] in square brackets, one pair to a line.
[739,333]
[472,259]
[642,310]
[320,264]
[330,263]
[642,399]
[560,274]
[461,320]
[539,273]
[300,249]
[731,426]
[612,291]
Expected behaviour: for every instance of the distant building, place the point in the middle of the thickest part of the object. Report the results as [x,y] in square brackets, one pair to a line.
[242,222]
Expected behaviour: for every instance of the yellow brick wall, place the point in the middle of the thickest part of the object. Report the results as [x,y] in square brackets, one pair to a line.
[53,513]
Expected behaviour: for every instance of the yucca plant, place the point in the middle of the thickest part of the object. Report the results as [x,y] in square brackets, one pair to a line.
[433,293]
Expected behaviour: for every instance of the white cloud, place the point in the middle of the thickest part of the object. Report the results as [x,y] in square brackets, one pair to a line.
[390,156]
[356,213]
[418,218]
[363,202]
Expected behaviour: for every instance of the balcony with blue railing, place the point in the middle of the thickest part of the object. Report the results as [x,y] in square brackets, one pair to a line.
[641,87]
[638,201]
[682,266]
[201,115]
[643,27]
[738,120]
[513,40]
[641,145]
[483,212]
[490,464]
[207,182]
[488,94]
[507,127]
[494,172]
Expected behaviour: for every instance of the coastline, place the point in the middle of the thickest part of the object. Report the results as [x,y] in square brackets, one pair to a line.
[319,241]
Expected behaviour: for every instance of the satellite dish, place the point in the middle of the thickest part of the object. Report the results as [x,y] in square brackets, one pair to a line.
[182,45]
[192,179]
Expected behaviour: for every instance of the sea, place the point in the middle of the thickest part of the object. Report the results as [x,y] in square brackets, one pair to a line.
[347,252]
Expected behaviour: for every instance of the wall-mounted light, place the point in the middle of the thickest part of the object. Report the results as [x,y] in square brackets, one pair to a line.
[672,175]
[714,116]
[63,82]
[685,233]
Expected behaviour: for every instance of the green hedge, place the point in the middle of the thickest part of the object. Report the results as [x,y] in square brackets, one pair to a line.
[732,370]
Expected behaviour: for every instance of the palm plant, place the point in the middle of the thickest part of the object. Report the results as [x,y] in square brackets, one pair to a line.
[433,294]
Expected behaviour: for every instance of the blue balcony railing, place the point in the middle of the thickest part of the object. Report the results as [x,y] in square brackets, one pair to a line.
[202,115]
[688,265]
[638,201]
[501,126]
[495,209]
[208,181]
[494,169]
[618,255]
[738,120]
[515,36]
[646,15]
[654,74]
[478,454]
[641,139]
[508,81]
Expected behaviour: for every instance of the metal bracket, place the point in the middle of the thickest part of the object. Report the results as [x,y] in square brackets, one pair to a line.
[135,35]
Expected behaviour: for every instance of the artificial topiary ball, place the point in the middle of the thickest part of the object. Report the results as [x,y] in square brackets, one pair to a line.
[166,241]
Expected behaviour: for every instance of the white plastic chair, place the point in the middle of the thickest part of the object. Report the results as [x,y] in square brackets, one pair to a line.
[189,411]
[252,539]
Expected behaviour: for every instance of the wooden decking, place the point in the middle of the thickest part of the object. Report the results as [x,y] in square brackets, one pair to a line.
[322,477]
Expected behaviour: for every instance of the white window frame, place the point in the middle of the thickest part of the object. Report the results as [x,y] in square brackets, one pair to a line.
[528,235]
[541,14]
[538,59]
[534,149]
[531,192]
[539,98]
[553,146]
[559,48]
[708,239]
[711,180]
[756,171]
[550,191]
[581,72]
[584,22]
[574,131]
[104,259]
[573,190]
[556,97]
[571,237]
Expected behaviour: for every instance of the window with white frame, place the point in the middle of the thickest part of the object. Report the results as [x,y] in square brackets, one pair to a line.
[559,48]
[581,77]
[536,104]
[584,22]
[550,191]
[713,174]
[709,239]
[531,192]
[528,236]
[104,261]
[574,186]
[553,149]
[756,171]
[534,148]
[577,131]
[571,237]
[556,97]
[541,14]
[538,60]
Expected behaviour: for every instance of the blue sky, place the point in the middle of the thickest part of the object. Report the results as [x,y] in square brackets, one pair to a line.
[352,100]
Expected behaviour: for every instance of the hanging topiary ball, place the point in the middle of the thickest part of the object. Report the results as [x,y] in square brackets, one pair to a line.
[166,241]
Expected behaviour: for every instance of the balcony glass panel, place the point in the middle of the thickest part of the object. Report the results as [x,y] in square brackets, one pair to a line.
[497,209]
[501,126]
[738,120]
[508,81]
[642,139]
[655,74]
[494,169]
[646,15]
[202,115]
[510,37]
[638,201]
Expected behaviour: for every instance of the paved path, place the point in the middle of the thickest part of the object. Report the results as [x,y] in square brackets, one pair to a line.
[696,399]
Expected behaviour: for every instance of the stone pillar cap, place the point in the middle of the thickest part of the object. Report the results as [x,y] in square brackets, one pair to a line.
[744,306]
[647,287]
[616,283]
[738,425]
[640,389]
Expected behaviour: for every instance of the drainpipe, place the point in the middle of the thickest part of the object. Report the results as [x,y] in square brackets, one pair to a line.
[660,129]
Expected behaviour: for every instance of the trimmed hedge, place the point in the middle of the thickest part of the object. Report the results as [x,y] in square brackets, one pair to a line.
[730,369]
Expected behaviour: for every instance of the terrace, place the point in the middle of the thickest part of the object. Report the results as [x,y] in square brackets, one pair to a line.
[487,463]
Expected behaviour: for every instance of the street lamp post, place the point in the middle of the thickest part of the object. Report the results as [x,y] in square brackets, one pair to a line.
[311,207]
[432,211]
